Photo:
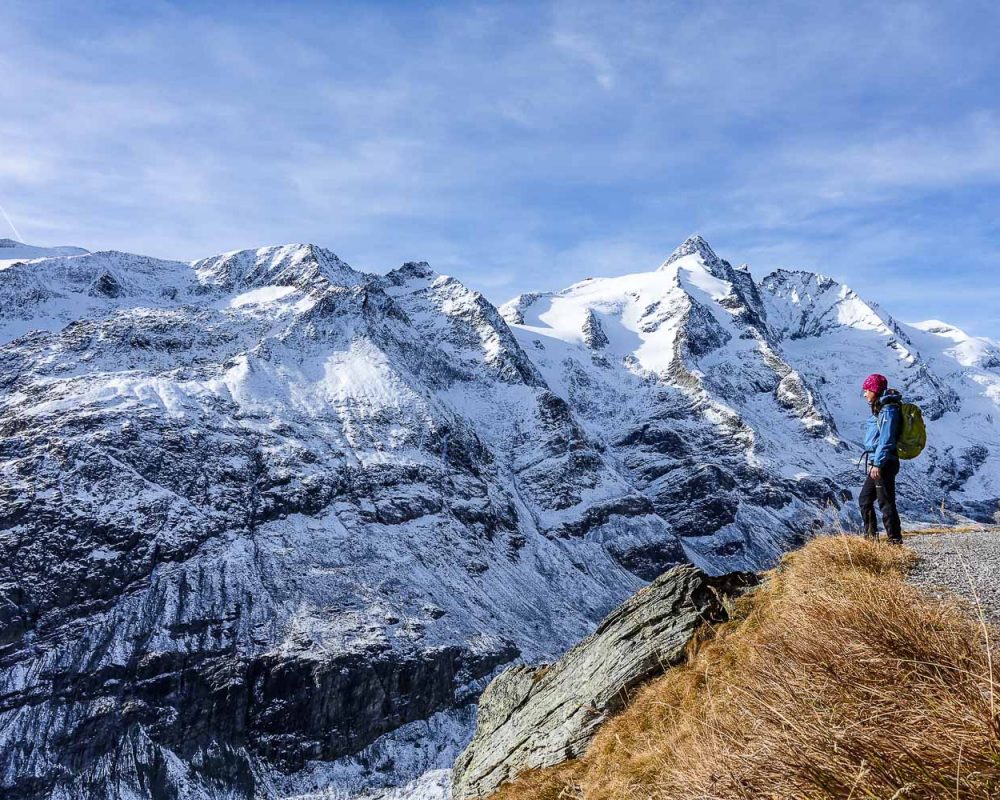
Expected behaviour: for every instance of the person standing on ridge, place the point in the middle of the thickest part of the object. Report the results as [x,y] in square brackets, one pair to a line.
[881,458]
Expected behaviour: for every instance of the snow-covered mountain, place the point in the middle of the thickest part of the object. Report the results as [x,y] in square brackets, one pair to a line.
[13,252]
[268,523]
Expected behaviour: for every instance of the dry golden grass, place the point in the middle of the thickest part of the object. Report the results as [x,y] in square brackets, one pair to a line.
[836,679]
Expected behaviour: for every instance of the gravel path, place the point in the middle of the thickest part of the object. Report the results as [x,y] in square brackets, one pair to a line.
[949,561]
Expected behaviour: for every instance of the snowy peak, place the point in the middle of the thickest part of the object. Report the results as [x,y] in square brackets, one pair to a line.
[712,282]
[802,304]
[303,266]
[48,293]
[410,271]
[969,351]
[691,306]
[12,251]
[824,320]
[696,246]
[446,310]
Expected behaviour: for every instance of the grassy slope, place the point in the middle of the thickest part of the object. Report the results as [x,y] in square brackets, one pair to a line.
[836,679]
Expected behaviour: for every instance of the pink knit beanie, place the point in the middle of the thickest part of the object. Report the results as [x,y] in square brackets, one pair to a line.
[875,383]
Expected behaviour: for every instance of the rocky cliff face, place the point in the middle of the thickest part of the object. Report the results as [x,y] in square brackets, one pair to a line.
[268,524]
[538,716]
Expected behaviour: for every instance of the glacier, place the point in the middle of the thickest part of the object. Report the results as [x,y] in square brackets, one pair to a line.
[268,524]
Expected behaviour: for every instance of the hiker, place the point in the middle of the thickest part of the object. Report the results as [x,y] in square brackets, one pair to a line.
[881,458]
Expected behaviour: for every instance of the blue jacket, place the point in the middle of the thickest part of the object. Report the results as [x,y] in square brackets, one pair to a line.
[883,430]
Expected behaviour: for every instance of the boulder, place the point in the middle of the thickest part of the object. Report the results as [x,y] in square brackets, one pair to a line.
[538,716]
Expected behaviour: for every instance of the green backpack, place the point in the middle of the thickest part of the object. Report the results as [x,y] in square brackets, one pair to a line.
[913,437]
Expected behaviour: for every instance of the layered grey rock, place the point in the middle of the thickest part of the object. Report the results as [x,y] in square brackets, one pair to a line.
[538,716]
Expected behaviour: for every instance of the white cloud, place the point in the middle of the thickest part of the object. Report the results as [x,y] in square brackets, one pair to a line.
[589,52]
[952,153]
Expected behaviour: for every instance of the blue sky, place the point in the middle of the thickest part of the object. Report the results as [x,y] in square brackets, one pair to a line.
[520,146]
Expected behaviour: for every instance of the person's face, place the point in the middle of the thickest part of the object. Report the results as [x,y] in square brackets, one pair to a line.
[869,395]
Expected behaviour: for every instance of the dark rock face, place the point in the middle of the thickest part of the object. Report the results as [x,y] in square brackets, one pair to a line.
[593,334]
[537,716]
[703,334]
[107,285]
[238,712]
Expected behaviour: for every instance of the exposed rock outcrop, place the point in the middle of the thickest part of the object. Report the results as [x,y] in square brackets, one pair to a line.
[593,334]
[537,716]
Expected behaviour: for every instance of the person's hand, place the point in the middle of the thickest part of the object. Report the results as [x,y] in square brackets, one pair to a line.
[875,473]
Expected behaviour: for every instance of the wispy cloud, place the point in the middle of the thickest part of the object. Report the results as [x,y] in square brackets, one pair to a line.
[578,46]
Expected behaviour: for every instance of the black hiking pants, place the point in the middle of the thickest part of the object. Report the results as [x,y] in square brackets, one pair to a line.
[884,489]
